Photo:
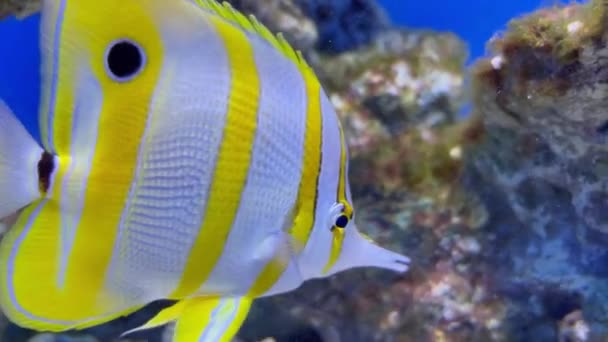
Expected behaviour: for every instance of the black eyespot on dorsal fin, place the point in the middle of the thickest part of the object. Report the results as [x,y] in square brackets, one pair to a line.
[46,166]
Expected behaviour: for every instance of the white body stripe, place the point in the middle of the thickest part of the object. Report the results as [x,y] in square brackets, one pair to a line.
[52,22]
[74,183]
[273,177]
[176,162]
[316,253]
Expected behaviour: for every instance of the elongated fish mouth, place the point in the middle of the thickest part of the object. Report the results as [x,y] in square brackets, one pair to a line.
[402,263]
[383,258]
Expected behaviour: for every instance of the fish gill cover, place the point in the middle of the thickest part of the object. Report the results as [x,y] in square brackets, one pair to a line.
[504,213]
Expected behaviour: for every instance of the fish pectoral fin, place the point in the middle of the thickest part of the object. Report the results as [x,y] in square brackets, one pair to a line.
[211,319]
[164,316]
[19,157]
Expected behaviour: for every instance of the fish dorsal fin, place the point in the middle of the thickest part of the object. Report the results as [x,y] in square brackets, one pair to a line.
[252,24]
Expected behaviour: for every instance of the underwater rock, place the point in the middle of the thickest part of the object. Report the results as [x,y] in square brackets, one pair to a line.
[398,99]
[283,16]
[542,97]
[61,338]
[345,24]
[18,8]
[398,94]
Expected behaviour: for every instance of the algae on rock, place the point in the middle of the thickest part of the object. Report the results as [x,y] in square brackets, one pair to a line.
[542,97]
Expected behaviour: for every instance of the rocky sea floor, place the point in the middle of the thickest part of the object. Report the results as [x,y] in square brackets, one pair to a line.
[502,207]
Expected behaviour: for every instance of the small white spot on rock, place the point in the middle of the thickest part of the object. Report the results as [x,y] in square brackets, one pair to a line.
[469,245]
[393,319]
[582,330]
[440,289]
[492,323]
[456,152]
[403,75]
[497,62]
[574,26]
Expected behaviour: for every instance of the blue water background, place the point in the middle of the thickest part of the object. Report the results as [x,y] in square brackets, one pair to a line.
[473,20]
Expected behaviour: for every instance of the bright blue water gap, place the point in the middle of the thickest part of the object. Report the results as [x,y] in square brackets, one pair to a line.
[20,69]
[475,21]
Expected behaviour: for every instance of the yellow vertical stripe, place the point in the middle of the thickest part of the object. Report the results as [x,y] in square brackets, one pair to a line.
[268,277]
[120,129]
[348,209]
[338,233]
[337,242]
[233,160]
[307,193]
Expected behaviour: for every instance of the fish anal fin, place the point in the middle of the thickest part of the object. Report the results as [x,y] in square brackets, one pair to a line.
[30,293]
[212,319]
[164,316]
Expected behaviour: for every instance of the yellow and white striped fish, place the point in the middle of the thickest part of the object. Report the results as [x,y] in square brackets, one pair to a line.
[188,154]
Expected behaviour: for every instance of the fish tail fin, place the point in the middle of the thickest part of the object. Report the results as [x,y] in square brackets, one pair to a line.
[20,155]
[204,319]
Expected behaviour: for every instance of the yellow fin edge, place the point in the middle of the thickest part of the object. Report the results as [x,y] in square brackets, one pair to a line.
[252,24]
[211,319]
[164,316]
[204,319]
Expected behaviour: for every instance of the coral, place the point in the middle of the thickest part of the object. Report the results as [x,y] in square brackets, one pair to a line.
[541,97]
[398,98]
[18,8]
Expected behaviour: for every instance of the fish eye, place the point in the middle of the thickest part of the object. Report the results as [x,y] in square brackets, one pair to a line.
[342,221]
[125,59]
[339,218]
